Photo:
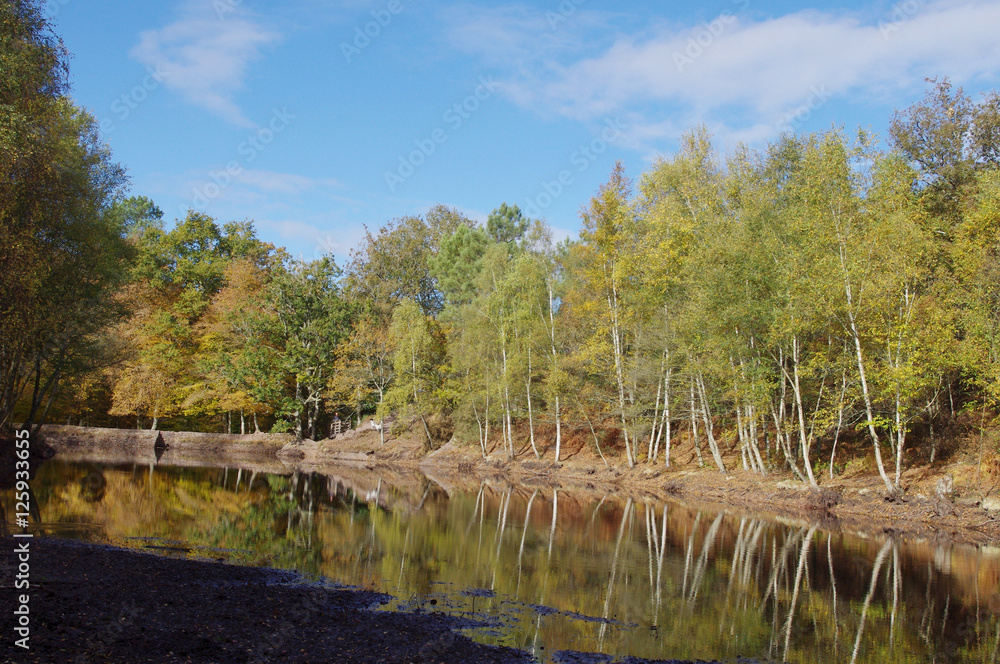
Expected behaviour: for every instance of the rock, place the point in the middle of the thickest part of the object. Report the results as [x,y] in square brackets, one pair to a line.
[991,504]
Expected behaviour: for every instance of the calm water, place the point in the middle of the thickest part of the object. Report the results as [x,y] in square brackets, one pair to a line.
[556,570]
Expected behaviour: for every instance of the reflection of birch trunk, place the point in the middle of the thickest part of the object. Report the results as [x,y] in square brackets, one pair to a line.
[868,598]
[897,583]
[552,528]
[778,565]
[402,556]
[502,517]
[501,526]
[688,552]
[833,588]
[738,553]
[659,562]
[706,549]
[475,511]
[656,539]
[524,534]
[800,570]
[745,556]
[614,570]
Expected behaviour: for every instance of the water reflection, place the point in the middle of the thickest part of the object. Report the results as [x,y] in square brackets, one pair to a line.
[562,570]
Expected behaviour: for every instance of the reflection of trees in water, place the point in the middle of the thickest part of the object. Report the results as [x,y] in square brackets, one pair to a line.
[710,583]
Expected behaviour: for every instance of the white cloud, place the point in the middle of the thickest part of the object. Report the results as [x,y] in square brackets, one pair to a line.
[205,56]
[275,183]
[743,74]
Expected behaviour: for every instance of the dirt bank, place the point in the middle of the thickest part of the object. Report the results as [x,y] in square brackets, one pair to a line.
[854,499]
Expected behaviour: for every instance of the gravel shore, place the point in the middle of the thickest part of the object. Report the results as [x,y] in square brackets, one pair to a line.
[91,603]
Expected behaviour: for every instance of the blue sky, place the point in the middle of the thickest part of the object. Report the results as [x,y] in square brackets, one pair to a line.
[319,118]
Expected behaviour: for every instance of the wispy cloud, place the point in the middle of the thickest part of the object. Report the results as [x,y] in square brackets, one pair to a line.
[743,78]
[205,58]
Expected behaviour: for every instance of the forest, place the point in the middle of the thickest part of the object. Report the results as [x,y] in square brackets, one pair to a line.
[779,300]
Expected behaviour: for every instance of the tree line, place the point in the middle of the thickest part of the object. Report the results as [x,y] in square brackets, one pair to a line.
[771,301]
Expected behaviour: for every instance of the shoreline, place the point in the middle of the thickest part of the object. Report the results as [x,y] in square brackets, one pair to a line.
[853,502]
[98,603]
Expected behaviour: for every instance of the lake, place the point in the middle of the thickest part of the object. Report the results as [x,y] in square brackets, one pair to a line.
[548,570]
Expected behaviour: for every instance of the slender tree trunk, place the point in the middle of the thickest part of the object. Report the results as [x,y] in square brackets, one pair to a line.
[666,417]
[754,447]
[900,440]
[742,435]
[840,420]
[694,427]
[486,417]
[531,418]
[869,411]
[797,391]
[479,422]
[508,430]
[427,432]
[619,370]
[651,454]
[558,430]
[709,428]
[597,443]
[555,366]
